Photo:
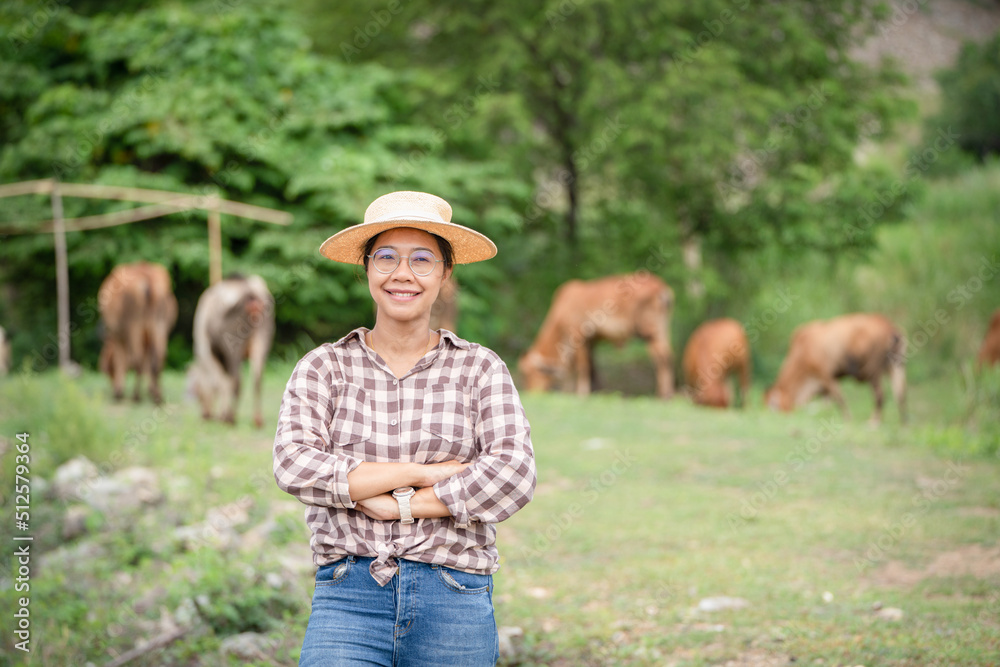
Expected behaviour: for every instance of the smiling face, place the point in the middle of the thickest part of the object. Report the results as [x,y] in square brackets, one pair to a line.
[402,295]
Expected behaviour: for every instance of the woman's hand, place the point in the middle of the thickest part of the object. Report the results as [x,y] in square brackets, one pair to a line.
[381,508]
[423,505]
[436,472]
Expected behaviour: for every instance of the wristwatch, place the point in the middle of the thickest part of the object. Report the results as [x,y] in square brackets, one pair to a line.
[402,496]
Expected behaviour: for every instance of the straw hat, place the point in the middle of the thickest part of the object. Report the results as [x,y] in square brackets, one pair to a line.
[418,210]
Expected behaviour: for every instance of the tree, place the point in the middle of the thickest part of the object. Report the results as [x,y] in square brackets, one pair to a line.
[970,99]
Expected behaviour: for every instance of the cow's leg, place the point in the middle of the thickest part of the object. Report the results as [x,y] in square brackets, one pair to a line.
[583,368]
[117,363]
[257,354]
[659,351]
[156,353]
[832,389]
[744,384]
[876,383]
[231,398]
[137,353]
[897,376]
[157,360]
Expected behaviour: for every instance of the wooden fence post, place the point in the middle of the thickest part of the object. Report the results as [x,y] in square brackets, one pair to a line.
[62,277]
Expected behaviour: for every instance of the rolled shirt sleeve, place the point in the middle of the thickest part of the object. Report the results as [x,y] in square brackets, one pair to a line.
[502,479]
[305,464]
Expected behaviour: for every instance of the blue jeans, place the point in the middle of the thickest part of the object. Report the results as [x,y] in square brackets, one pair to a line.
[426,615]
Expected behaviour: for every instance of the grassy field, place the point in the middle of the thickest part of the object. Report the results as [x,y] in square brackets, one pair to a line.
[830,543]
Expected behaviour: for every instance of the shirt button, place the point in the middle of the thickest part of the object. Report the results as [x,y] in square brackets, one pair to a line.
[395,382]
[392,423]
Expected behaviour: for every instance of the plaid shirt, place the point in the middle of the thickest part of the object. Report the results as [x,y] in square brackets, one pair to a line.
[342,406]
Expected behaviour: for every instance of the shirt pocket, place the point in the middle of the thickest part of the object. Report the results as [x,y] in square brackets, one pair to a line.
[351,427]
[446,423]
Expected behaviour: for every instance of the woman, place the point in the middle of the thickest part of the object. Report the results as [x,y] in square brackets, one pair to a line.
[407,445]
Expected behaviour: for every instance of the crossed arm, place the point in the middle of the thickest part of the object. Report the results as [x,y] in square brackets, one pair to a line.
[371,486]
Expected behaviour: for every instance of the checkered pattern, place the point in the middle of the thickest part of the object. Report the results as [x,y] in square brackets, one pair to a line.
[343,405]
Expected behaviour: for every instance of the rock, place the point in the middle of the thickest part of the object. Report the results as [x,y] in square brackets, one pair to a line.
[511,641]
[72,478]
[890,614]
[247,646]
[78,553]
[721,603]
[203,534]
[126,491]
[186,613]
[256,539]
[75,522]
[218,530]
[144,483]
[39,486]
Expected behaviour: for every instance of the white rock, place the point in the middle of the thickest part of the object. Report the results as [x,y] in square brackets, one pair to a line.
[511,638]
[75,522]
[722,602]
[890,614]
[72,477]
[247,646]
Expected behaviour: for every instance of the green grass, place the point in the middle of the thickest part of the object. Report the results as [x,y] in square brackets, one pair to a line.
[643,509]
[752,505]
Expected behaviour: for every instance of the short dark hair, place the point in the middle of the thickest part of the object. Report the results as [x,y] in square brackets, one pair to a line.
[447,254]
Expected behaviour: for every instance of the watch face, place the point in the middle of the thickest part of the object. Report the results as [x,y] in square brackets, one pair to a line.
[403,492]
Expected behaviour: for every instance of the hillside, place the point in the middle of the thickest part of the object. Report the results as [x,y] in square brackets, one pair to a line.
[924,37]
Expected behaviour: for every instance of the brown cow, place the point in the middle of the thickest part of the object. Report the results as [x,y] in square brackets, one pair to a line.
[444,312]
[715,351]
[4,353]
[861,345]
[233,321]
[138,309]
[989,352]
[615,308]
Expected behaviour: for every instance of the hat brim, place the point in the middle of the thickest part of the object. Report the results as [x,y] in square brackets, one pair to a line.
[468,245]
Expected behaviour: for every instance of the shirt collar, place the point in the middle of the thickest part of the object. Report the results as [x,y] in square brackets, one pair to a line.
[360,332]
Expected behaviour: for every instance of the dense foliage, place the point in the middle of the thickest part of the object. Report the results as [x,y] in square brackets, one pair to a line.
[971,97]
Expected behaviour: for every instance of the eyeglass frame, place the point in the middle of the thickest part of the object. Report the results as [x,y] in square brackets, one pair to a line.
[399,260]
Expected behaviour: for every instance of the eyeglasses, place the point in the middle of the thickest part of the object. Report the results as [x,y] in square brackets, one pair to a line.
[422,262]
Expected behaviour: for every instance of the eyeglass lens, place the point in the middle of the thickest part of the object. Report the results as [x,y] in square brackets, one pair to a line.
[421,262]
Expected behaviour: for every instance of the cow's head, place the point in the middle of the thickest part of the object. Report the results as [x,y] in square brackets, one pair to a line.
[715,394]
[202,384]
[537,372]
[778,399]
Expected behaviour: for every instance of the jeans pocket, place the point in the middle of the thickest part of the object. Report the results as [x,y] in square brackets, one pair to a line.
[467,583]
[334,573]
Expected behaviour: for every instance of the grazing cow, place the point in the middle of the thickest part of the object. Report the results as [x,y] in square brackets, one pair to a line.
[989,352]
[4,353]
[233,321]
[861,345]
[615,308]
[138,309]
[444,312]
[716,350]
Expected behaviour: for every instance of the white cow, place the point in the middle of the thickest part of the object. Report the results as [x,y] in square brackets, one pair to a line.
[233,321]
